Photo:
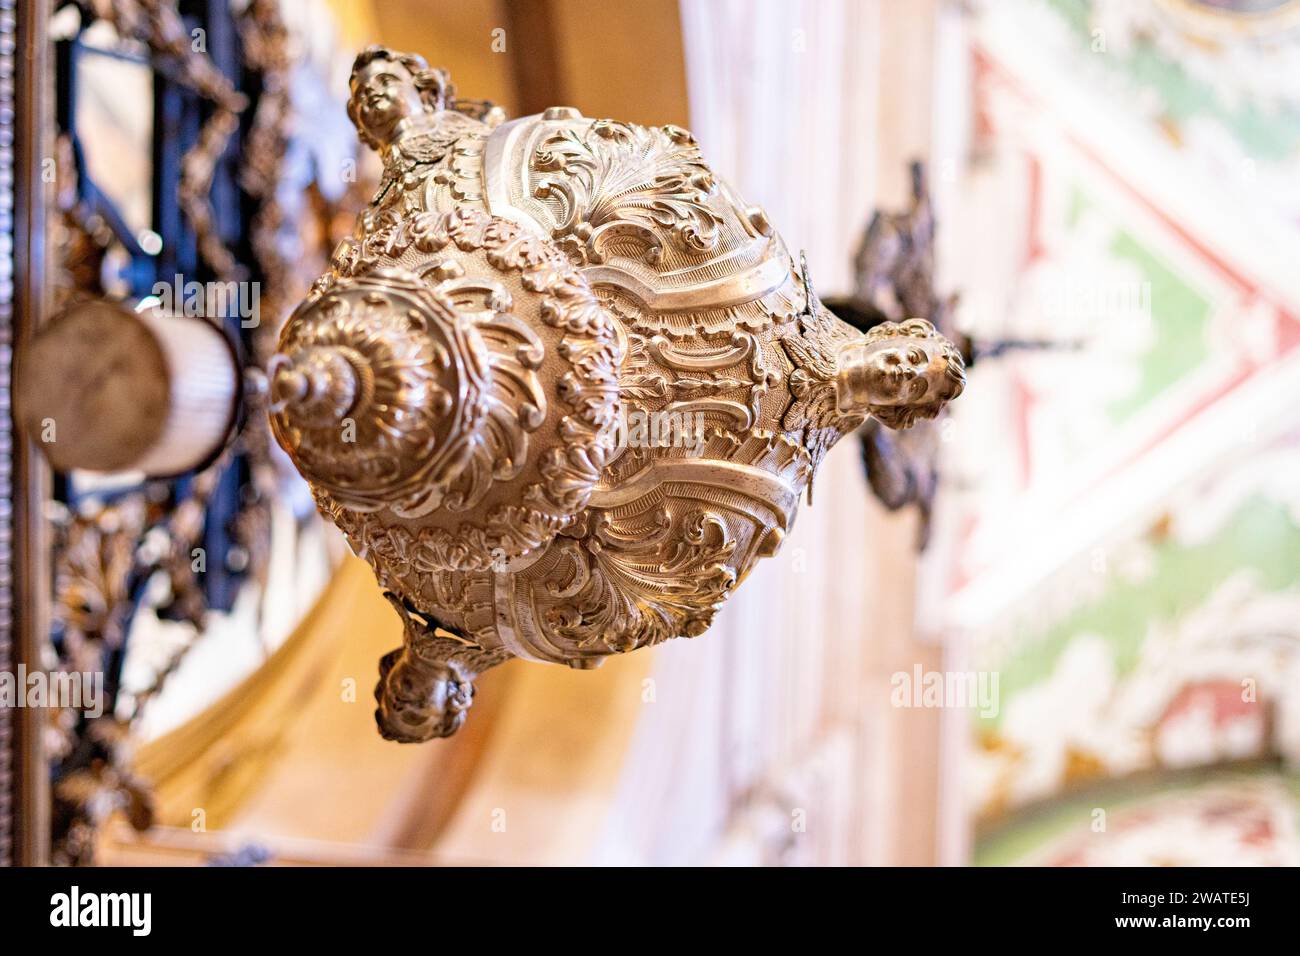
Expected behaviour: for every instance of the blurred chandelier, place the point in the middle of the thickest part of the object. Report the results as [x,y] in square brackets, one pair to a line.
[562,388]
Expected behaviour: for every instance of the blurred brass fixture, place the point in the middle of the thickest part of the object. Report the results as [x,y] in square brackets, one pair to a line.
[105,389]
[894,277]
[562,388]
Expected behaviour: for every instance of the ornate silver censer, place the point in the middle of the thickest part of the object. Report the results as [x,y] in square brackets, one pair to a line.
[562,387]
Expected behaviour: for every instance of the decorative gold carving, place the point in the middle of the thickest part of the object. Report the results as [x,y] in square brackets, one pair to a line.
[451,415]
[625,185]
[546,280]
[635,585]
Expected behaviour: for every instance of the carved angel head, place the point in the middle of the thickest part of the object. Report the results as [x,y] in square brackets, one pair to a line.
[902,372]
[388,89]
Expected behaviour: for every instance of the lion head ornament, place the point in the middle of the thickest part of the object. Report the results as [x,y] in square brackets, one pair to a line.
[562,388]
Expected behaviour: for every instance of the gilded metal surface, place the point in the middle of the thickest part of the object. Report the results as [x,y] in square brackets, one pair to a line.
[563,387]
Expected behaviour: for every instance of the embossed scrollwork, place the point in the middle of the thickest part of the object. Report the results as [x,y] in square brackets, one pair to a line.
[619,183]
[445,408]
[635,586]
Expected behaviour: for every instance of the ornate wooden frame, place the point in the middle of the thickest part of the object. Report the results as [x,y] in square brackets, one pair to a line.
[24,113]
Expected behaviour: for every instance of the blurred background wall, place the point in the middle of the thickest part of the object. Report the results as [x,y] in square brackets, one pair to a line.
[1126,552]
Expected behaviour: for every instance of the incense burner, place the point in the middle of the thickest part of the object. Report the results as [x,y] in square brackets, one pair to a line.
[563,388]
